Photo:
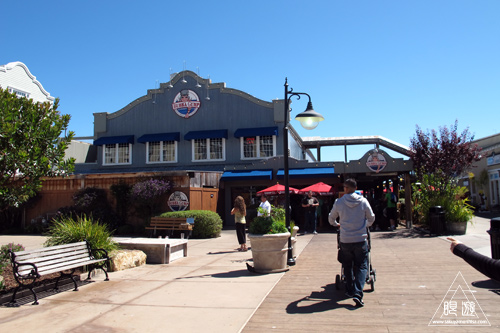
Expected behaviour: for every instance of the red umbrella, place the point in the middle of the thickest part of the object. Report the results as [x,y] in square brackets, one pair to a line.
[277,189]
[318,189]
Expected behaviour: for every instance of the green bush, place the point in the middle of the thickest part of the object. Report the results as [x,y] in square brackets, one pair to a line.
[207,224]
[67,230]
[274,224]
[4,255]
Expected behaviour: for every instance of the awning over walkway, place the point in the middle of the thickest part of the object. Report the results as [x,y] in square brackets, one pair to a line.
[258,131]
[247,175]
[213,134]
[159,137]
[307,172]
[109,140]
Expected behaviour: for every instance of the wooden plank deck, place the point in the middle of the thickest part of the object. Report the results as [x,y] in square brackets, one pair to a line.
[414,273]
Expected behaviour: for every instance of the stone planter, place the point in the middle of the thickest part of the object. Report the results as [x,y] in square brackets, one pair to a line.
[456,228]
[270,252]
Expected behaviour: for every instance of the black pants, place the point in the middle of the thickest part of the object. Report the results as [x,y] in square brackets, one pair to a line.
[240,232]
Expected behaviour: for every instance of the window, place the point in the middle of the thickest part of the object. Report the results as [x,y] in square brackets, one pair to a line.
[258,146]
[117,153]
[19,93]
[209,149]
[161,152]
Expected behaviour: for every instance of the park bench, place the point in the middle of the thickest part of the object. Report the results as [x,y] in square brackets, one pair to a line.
[171,224]
[30,265]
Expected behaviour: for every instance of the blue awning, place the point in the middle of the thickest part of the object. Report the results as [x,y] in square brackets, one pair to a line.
[307,172]
[109,140]
[247,175]
[258,131]
[213,134]
[160,137]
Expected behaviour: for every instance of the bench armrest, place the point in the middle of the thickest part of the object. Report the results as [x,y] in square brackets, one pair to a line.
[32,274]
[94,252]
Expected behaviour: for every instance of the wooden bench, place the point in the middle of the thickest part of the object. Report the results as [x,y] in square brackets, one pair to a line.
[170,224]
[30,265]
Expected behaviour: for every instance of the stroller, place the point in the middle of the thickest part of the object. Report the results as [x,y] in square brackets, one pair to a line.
[370,273]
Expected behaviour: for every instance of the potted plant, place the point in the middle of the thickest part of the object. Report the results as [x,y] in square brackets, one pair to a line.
[458,213]
[268,236]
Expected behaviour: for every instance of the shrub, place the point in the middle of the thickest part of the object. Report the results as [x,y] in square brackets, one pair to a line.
[207,224]
[67,230]
[273,224]
[4,250]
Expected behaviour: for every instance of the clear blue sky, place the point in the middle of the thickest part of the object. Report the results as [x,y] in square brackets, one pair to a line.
[371,67]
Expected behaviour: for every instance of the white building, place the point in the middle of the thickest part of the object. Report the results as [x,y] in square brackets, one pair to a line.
[16,77]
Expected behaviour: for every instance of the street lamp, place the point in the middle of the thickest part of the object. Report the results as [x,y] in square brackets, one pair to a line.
[309,119]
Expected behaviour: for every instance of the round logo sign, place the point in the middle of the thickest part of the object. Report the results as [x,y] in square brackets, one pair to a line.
[178,201]
[186,103]
[376,162]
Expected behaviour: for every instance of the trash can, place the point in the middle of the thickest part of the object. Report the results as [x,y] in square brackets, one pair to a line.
[495,237]
[436,220]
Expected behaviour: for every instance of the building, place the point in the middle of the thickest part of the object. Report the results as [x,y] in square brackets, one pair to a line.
[483,179]
[214,143]
[16,77]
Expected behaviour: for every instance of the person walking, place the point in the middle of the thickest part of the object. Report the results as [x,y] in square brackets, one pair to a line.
[355,216]
[240,211]
[310,204]
[391,209]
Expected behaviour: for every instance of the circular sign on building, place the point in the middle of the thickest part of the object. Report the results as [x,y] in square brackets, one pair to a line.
[376,162]
[186,103]
[178,201]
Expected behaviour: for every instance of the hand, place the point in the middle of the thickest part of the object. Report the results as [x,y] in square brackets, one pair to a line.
[454,242]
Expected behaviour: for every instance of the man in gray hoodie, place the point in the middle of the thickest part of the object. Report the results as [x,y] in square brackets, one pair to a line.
[355,216]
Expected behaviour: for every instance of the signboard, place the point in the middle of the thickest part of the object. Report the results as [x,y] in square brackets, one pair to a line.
[186,103]
[376,162]
[178,201]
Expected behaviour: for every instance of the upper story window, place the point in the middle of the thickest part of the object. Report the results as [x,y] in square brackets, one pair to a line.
[258,142]
[208,145]
[116,149]
[161,152]
[117,153]
[19,93]
[209,149]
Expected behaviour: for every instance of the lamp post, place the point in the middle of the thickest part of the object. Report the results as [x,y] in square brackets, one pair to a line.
[309,119]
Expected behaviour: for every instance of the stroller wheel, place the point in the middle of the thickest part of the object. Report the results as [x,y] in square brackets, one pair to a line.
[337,282]
[372,284]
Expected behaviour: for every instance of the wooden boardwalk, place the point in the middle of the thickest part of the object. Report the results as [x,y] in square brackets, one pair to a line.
[414,274]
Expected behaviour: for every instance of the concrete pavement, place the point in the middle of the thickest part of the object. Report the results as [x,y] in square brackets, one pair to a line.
[211,290]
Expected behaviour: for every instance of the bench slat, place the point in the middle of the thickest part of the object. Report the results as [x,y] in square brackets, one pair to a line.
[42,258]
[28,255]
[75,265]
[56,247]
[57,261]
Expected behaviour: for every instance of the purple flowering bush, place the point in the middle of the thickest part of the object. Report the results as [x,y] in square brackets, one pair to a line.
[146,195]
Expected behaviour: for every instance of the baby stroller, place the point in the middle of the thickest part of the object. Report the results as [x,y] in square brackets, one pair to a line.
[370,273]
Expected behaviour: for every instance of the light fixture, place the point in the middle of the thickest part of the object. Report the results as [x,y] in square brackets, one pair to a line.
[184,70]
[198,85]
[309,120]
[170,86]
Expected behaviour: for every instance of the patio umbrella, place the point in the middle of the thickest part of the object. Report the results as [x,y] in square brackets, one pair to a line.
[277,189]
[318,189]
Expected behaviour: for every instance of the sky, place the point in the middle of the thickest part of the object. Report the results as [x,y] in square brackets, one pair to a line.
[371,67]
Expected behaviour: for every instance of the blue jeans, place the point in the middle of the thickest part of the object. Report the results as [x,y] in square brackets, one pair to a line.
[354,257]
[310,217]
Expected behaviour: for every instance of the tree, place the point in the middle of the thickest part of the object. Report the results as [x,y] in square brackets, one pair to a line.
[448,155]
[30,147]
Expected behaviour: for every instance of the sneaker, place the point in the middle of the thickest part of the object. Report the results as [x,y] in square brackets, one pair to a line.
[359,301]
[315,232]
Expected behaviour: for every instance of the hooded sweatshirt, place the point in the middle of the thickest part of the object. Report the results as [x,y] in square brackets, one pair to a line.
[355,216]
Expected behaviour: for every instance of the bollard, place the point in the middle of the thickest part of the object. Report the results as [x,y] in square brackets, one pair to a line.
[495,237]
[436,220]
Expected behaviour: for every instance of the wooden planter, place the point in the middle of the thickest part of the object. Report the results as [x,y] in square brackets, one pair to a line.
[270,252]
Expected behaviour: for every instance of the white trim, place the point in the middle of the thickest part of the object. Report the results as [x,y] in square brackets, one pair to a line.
[257,138]
[208,151]
[176,153]
[117,156]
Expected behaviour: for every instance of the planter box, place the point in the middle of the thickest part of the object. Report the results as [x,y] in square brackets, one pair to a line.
[270,252]
[456,228]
